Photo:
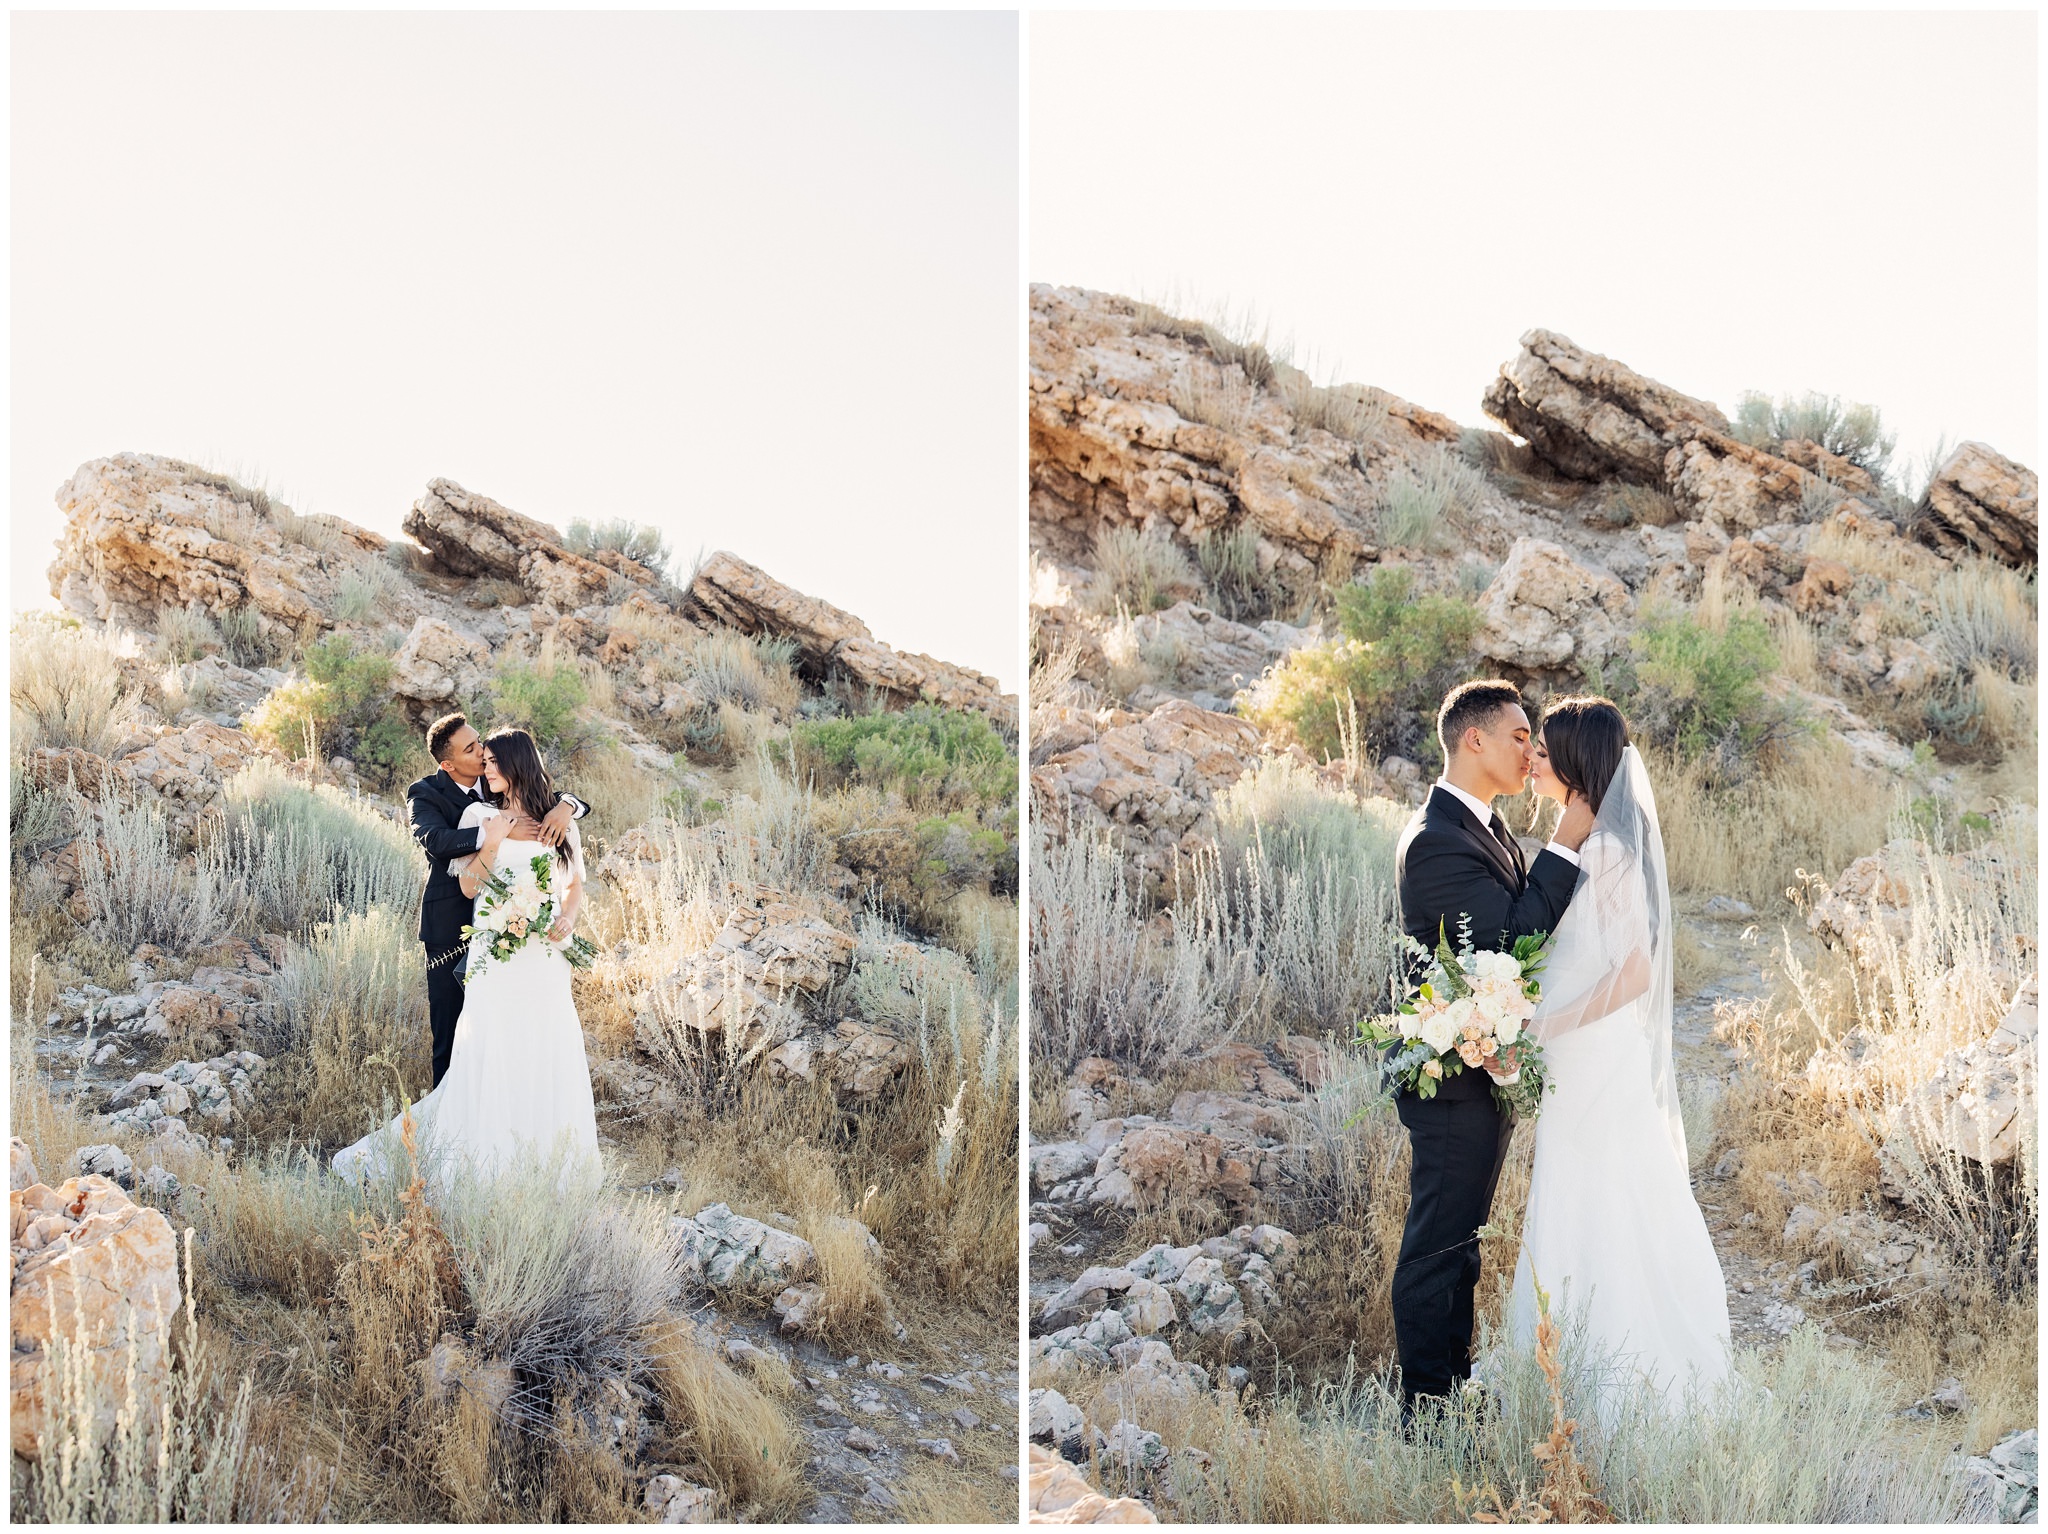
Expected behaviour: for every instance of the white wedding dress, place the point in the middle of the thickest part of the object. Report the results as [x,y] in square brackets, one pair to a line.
[1612,1231]
[518,1081]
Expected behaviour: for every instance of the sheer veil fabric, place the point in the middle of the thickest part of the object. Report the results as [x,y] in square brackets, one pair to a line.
[1614,945]
[1611,1229]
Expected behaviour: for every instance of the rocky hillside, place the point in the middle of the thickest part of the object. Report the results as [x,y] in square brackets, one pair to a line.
[800,1028]
[1196,502]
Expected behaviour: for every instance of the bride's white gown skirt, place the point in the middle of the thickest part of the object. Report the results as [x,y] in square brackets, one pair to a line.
[518,1081]
[1612,1230]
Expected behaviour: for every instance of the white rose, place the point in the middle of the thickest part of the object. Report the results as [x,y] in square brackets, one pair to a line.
[1439,1032]
[1502,966]
[1508,1029]
[1411,1025]
[1492,1007]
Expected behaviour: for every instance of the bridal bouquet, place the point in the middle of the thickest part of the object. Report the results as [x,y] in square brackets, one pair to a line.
[1469,1006]
[515,908]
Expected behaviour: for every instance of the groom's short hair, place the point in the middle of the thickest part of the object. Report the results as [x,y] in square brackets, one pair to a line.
[1470,704]
[441,731]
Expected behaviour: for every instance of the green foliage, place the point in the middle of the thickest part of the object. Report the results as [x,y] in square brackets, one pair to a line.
[1687,684]
[302,852]
[926,753]
[547,699]
[1400,653]
[243,639]
[342,705]
[640,541]
[1854,432]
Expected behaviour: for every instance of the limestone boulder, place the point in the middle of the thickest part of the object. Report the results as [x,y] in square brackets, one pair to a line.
[88,1261]
[729,591]
[724,1250]
[1980,1100]
[472,535]
[1982,501]
[1588,416]
[1138,421]
[1546,610]
[439,665]
[1149,781]
[1162,1159]
[1739,488]
[184,770]
[143,533]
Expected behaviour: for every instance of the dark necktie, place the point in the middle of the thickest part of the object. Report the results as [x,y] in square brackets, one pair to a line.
[1500,832]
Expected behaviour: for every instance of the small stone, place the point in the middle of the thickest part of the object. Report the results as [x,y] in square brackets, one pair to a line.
[1728,908]
[107,1161]
[861,1441]
[940,1448]
[1949,1395]
[965,1420]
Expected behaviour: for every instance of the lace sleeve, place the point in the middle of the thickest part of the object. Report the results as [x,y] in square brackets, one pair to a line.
[1601,958]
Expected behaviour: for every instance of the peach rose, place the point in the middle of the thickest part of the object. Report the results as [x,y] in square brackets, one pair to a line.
[1432,1068]
[1469,1053]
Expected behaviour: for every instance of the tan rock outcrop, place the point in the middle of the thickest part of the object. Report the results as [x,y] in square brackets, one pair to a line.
[470,534]
[730,591]
[1590,417]
[1135,425]
[1546,610]
[1740,488]
[186,769]
[438,664]
[1981,500]
[87,1261]
[1151,780]
[143,533]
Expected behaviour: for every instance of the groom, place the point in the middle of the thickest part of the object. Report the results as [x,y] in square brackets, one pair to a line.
[437,803]
[1457,859]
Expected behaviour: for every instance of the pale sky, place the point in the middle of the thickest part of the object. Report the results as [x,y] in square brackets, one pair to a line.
[1836,201]
[751,278]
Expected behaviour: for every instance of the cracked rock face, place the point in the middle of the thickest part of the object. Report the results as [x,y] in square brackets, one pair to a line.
[470,534]
[1588,416]
[724,1250]
[1545,610]
[1979,499]
[730,591]
[143,533]
[85,1247]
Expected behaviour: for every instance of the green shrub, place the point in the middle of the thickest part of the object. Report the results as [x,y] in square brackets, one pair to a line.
[547,698]
[1230,568]
[926,753]
[343,704]
[639,541]
[1854,432]
[185,633]
[244,640]
[1687,684]
[1423,499]
[1400,653]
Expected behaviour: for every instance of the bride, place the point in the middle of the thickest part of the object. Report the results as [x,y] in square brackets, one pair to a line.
[518,1082]
[1611,1230]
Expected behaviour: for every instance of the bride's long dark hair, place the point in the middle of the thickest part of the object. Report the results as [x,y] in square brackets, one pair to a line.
[526,776]
[1585,737]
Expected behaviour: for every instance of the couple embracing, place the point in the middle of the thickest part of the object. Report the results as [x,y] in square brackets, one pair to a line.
[510,1073]
[1611,1229]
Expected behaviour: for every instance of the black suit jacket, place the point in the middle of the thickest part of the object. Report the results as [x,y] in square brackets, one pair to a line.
[1450,865]
[436,805]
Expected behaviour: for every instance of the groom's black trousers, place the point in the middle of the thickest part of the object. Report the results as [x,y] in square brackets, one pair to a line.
[1459,1145]
[441,931]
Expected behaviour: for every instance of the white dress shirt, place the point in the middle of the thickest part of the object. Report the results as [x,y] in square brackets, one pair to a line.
[1485,813]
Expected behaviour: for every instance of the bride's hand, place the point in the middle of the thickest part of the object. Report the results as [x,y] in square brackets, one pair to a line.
[559,932]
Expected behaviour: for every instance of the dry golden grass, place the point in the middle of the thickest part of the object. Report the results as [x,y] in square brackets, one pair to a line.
[1811,810]
[718,1420]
